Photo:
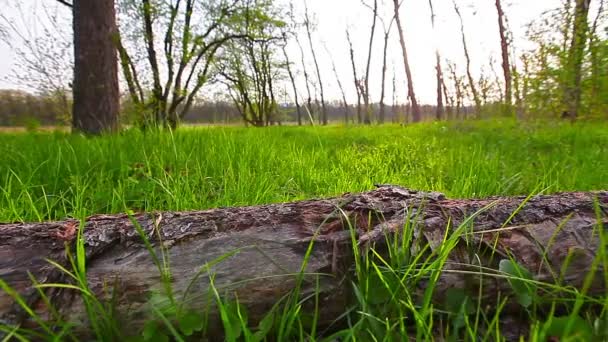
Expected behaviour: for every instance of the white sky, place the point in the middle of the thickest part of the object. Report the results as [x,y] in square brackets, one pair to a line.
[333,16]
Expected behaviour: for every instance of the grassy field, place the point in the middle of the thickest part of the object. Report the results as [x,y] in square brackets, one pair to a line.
[53,175]
[47,176]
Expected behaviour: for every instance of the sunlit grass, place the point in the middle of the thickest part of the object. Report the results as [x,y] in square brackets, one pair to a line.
[54,175]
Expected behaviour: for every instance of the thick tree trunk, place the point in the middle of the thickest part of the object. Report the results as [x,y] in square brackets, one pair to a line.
[96,98]
[272,240]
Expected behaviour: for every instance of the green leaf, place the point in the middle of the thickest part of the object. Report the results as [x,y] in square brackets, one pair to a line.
[456,299]
[191,322]
[152,332]
[264,327]
[232,311]
[460,304]
[525,291]
[572,328]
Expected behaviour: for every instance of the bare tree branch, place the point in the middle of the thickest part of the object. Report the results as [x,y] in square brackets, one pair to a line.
[65,3]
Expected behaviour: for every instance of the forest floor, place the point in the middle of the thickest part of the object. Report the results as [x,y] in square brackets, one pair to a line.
[54,175]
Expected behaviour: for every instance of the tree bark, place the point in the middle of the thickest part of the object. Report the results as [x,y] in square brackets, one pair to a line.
[96,97]
[271,242]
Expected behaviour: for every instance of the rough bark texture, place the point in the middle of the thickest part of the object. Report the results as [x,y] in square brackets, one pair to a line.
[273,239]
[96,98]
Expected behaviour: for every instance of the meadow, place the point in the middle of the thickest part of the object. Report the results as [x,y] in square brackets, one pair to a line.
[54,175]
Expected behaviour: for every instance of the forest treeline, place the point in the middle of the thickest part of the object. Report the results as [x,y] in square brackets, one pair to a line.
[19,108]
[167,54]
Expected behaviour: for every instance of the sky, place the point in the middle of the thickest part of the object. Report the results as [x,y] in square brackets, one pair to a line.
[334,16]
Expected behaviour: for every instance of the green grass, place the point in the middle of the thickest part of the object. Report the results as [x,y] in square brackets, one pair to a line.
[53,175]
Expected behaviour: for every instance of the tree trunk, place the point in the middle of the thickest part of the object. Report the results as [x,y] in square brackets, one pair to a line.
[308,105]
[366,97]
[506,65]
[356,79]
[314,58]
[595,46]
[472,86]
[416,116]
[572,96]
[438,71]
[335,71]
[387,31]
[293,82]
[270,243]
[96,97]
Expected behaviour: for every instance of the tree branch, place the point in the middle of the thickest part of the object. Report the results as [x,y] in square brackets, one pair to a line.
[65,3]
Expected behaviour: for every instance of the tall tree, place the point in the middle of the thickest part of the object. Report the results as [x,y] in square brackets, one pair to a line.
[458,99]
[355,77]
[180,49]
[387,32]
[572,89]
[366,96]
[504,48]
[595,48]
[438,72]
[308,105]
[339,82]
[472,86]
[95,86]
[292,79]
[416,116]
[307,24]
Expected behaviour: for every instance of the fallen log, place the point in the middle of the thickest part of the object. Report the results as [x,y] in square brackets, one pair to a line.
[541,233]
